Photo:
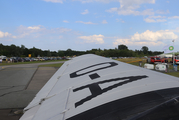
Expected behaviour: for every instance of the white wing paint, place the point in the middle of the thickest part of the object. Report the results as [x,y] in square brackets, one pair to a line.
[94,87]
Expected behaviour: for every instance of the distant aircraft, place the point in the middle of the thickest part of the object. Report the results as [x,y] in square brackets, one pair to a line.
[90,87]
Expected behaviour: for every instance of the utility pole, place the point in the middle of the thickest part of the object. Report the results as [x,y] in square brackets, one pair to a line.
[173,52]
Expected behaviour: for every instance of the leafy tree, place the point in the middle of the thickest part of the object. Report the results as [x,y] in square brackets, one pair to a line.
[122,47]
[61,53]
[145,49]
[54,53]
[122,51]
[68,52]
[49,53]
[22,49]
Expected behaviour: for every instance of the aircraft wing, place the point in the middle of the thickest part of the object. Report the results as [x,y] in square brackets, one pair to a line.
[91,87]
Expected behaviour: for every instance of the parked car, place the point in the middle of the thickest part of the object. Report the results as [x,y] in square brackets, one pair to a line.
[20,59]
[27,60]
[34,59]
[14,59]
[41,59]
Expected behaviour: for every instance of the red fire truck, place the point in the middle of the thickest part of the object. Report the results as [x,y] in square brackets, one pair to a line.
[154,59]
[176,59]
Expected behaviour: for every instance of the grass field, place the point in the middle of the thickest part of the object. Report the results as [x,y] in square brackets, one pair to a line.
[52,65]
[176,74]
[135,61]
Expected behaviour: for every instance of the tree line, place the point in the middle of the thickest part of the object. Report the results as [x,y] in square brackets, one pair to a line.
[121,51]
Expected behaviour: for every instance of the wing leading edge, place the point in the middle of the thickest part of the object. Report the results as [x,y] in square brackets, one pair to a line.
[90,87]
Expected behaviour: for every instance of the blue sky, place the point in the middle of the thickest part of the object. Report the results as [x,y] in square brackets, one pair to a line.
[86,24]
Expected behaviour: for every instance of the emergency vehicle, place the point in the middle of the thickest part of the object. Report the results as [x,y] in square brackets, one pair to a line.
[176,59]
[154,59]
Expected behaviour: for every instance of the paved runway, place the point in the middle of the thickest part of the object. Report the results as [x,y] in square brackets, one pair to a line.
[19,84]
[30,65]
[13,82]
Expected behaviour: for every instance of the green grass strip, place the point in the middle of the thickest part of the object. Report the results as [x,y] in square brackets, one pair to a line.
[52,65]
[17,63]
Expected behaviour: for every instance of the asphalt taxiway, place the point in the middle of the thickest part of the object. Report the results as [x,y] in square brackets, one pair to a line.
[18,86]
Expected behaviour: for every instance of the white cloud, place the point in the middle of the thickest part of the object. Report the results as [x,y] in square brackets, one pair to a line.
[85,12]
[147,38]
[148,20]
[104,22]
[117,20]
[25,31]
[124,3]
[162,12]
[173,17]
[131,10]
[155,17]
[59,30]
[36,31]
[128,7]
[103,1]
[112,10]
[60,37]
[161,20]
[122,11]
[85,22]
[120,20]
[34,28]
[54,42]
[121,41]
[14,37]
[129,42]
[65,21]
[154,36]
[31,28]
[97,39]
[175,30]
[62,30]
[152,19]
[54,1]
[6,34]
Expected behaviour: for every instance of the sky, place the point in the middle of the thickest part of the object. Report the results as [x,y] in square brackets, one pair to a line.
[90,24]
